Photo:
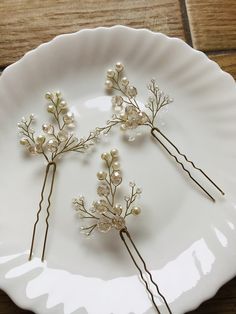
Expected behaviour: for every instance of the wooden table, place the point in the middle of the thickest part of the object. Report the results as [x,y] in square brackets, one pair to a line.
[207,25]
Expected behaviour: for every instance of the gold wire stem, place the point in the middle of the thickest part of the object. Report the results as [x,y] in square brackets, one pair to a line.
[53,164]
[177,160]
[148,272]
[191,162]
[125,231]
[40,205]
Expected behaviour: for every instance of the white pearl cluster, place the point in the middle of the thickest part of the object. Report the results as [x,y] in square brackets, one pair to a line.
[106,212]
[128,113]
[56,138]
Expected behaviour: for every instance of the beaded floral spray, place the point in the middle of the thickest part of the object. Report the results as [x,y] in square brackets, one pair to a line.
[55,140]
[106,214]
[129,115]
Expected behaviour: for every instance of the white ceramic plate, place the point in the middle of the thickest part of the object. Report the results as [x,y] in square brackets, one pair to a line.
[187,241]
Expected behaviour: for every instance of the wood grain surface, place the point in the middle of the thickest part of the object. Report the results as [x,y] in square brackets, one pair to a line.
[210,25]
[24,24]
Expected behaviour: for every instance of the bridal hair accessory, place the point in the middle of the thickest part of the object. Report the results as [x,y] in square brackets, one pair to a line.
[55,140]
[131,116]
[106,214]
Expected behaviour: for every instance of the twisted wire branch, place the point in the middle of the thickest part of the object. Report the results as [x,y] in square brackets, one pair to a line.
[53,164]
[190,161]
[179,162]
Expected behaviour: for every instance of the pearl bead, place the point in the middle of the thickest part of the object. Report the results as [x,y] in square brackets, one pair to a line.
[124,81]
[110,73]
[114,152]
[135,210]
[119,66]
[108,84]
[116,165]
[101,175]
[105,156]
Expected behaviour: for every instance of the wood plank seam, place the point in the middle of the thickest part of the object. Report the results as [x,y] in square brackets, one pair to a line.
[185,22]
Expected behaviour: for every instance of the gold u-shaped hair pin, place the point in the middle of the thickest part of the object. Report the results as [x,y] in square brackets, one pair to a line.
[107,214]
[131,116]
[55,141]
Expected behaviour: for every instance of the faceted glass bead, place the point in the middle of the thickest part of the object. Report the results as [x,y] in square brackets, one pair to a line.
[104,225]
[103,190]
[62,135]
[118,223]
[116,177]
[52,145]
[100,206]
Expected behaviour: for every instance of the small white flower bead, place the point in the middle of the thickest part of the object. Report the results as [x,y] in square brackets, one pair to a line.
[119,66]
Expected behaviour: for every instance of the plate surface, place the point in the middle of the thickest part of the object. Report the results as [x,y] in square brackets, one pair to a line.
[187,241]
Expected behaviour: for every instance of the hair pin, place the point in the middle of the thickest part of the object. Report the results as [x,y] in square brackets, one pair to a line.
[55,140]
[131,116]
[107,214]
